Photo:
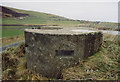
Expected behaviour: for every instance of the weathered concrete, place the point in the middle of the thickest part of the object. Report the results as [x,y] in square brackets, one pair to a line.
[43,48]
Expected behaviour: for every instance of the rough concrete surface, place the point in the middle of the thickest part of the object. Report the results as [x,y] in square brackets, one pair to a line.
[49,51]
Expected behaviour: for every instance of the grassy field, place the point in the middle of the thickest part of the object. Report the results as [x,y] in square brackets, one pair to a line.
[12,34]
[45,18]
[10,40]
[10,31]
[35,18]
[103,65]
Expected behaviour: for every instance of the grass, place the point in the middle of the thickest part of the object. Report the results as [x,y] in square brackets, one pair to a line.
[10,40]
[14,65]
[34,18]
[45,18]
[39,20]
[10,31]
[103,65]
[12,34]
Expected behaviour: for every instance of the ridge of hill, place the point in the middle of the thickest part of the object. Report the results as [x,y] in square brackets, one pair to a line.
[51,19]
[6,12]
[35,18]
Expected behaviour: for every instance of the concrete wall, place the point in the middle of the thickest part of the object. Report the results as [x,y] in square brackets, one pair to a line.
[41,51]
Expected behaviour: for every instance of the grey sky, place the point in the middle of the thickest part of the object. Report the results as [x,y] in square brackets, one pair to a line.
[94,11]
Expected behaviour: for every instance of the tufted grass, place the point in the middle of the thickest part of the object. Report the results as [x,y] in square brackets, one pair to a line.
[10,40]
[103,65]
[14,65]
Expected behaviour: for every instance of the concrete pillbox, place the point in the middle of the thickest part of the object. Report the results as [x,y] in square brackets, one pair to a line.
[49,51]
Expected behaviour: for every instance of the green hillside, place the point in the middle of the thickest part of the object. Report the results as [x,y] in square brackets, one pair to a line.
[37,18]
[46,18]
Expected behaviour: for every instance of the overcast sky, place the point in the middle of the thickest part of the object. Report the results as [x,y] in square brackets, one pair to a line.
[94,10]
